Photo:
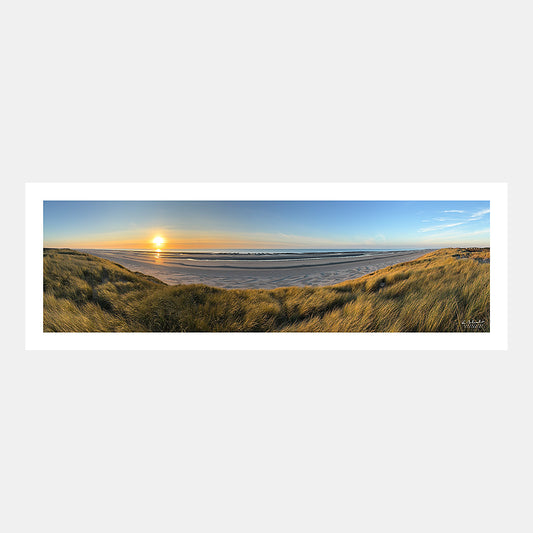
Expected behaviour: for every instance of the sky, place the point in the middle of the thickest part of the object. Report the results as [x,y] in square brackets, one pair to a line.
[269,224]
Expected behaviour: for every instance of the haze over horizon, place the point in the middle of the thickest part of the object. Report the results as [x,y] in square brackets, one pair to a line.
[190,225]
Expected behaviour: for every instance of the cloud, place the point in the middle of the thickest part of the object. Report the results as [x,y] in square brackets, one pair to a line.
[479,214]
[454,234]
[441,226]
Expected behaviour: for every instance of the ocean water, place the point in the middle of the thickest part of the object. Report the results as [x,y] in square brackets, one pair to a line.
[257,251]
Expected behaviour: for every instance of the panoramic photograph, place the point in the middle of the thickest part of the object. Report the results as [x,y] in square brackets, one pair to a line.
[266,266]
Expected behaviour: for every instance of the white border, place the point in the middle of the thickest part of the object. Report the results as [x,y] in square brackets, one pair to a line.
[36,193]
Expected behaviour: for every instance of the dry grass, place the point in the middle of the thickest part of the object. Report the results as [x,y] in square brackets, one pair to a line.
[85,293]
[444,290]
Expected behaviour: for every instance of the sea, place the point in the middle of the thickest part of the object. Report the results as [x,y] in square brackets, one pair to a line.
[257,251]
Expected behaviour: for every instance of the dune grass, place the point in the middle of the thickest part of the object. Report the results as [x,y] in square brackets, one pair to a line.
[443,291]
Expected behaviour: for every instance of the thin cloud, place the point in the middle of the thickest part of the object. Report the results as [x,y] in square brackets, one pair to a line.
[479,214]
[441,226]
[455,234]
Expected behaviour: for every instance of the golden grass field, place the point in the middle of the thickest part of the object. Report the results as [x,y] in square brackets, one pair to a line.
[447,290]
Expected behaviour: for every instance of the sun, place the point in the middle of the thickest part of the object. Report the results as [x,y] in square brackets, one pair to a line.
[158,240]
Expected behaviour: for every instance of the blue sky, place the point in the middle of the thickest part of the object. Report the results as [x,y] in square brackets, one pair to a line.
[307,224]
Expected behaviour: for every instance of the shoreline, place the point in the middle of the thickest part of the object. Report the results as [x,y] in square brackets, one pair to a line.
[255,271]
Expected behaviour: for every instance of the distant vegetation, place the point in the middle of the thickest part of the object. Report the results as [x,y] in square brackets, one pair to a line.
[445,290]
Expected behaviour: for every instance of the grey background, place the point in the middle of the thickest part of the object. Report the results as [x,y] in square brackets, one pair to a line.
[285,441]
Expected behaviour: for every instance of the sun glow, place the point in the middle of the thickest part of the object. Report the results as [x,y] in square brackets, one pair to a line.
[158,240]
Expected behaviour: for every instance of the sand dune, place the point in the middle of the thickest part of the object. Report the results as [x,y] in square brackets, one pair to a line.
[258,270]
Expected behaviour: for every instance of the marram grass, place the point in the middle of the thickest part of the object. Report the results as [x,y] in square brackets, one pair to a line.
[444,291]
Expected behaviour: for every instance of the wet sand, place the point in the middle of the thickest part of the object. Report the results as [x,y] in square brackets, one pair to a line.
[257,270]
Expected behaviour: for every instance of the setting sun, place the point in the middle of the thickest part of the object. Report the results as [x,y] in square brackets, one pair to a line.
[158,240]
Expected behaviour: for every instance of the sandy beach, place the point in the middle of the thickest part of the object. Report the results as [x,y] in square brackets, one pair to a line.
[256,270]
